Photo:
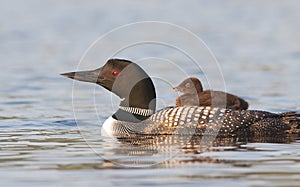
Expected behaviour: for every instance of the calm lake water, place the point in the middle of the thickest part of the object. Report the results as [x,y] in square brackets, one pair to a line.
[43,143]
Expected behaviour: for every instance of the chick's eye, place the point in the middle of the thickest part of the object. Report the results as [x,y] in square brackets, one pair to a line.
[115,73]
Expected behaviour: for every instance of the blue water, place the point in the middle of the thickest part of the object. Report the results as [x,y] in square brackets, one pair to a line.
[44,143]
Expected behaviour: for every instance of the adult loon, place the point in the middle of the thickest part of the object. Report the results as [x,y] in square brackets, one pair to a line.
[136,113]
[193,95]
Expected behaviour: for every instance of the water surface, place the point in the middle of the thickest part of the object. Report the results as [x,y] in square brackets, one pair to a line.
[256,44]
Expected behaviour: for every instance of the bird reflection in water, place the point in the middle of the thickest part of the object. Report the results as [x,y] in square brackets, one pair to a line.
[140,151]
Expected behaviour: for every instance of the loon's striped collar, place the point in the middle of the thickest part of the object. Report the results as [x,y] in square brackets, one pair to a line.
[138,111]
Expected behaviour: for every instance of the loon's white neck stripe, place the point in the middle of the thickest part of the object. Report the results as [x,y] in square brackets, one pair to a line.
[139,111]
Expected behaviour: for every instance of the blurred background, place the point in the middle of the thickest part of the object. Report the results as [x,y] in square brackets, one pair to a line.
[256,43]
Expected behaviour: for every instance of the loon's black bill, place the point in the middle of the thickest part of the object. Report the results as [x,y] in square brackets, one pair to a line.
[70,75]
[85,76]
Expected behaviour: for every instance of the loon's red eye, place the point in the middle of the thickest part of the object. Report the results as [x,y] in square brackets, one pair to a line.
[115,73]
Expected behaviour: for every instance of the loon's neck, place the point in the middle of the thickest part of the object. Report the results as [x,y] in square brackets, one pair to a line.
[138,91]
[137,103]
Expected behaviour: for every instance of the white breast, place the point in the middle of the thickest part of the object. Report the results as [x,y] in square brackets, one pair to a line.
[107,127]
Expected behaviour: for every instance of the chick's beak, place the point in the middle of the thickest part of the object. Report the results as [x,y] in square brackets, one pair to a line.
[175,89]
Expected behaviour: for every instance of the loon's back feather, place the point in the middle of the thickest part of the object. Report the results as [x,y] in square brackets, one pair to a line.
[207,120]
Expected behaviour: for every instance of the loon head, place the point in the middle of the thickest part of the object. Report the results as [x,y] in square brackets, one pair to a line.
[128,81]
[190,85]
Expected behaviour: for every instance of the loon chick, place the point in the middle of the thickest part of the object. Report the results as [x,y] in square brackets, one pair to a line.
[136,113]
[193,95]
